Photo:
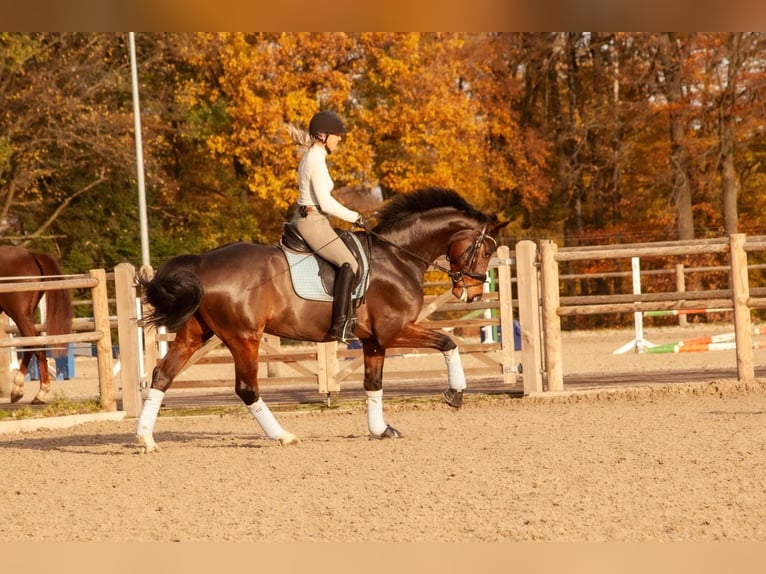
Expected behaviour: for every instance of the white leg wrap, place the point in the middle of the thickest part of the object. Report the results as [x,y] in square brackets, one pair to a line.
[265,418]
[18,378]
[149,412]
[375,422]
[455,374]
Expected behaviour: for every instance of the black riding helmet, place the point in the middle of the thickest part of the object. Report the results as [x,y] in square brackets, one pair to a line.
[326,123]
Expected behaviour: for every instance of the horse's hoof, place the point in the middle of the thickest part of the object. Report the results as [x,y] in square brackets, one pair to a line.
[16,397]
[287,438]
[453,398]
[40,399]
[146,444]
[390,432]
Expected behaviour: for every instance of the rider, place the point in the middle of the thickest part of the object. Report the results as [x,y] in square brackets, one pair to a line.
[315,203]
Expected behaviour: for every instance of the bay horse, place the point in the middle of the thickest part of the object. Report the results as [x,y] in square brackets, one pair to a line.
[18,265]
[241,290]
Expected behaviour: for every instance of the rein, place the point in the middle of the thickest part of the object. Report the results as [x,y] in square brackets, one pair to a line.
[455,276]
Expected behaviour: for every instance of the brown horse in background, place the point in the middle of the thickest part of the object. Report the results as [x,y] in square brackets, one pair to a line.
[241,290]
[18,265]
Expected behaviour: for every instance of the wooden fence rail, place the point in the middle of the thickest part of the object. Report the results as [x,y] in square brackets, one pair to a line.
[540,308]
[542,261]
[100,335]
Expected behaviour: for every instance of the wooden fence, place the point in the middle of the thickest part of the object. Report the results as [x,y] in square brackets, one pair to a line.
[542,306]
[100,334]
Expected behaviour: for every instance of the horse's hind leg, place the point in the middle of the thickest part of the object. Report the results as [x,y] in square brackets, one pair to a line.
[245,355]
[17,392]
[188,339]
[45,380]
[374,356]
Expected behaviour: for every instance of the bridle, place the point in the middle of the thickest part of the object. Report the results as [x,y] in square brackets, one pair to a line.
[470,253]
[468,258]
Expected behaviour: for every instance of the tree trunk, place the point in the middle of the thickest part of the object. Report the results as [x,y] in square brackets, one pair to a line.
[672,83]
[729,179]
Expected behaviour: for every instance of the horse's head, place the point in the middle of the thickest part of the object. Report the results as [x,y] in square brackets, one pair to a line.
[468,254]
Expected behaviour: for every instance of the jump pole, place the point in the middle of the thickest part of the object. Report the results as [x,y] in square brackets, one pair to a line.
[639,344]
[682,312]
[720,342]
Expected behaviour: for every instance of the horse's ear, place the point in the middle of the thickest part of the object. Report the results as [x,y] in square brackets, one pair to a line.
[497,226]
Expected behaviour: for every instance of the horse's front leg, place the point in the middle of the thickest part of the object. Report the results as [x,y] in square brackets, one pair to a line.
[374,356]
[415,336]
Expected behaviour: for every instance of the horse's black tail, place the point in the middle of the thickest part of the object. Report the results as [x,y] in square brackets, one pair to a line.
[174,293]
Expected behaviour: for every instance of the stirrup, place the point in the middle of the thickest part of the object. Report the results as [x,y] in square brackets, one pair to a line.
[346,334]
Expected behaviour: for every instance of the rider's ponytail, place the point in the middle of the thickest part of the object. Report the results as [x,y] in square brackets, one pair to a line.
[299,136]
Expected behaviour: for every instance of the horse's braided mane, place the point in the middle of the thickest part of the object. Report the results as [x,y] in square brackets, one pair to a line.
[400,207]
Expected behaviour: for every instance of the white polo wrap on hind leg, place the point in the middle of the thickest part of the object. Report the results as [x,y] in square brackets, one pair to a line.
[455,374]
[149,412]
[265,418]
[375,422]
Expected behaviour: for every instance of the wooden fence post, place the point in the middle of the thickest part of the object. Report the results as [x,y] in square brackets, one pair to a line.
[127,332]
[743,327]
[104,344]
[529,316]
[273,341]
[327,367]
[505,291]
[549,279]
[683,320]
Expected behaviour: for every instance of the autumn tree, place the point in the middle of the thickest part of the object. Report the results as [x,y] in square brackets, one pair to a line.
[573,99]
[735,65]
[582,137]
[415,105]
[66,129]
[712,84]
[247,87]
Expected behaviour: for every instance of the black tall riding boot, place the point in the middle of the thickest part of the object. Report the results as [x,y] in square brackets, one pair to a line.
[343,324]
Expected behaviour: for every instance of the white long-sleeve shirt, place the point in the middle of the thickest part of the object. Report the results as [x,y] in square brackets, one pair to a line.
[316,185]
